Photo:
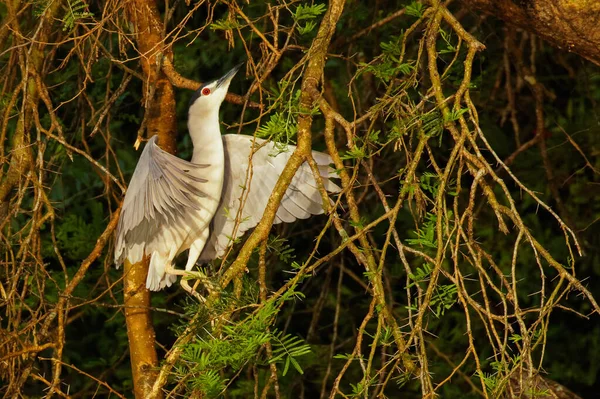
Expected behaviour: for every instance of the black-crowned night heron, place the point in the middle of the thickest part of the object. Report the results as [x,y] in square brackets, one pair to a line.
[172,205]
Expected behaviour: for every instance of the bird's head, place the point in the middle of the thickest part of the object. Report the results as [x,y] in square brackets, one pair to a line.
[208,98]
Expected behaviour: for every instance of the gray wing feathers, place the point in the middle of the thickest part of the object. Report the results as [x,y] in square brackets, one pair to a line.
[301,200]
[163,190]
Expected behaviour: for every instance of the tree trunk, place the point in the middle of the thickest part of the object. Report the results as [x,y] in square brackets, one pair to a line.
[159,100]
[569,25]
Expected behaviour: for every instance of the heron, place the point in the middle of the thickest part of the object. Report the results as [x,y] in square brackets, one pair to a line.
[203,205]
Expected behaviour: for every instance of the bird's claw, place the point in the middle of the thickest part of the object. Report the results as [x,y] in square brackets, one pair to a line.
[190,290]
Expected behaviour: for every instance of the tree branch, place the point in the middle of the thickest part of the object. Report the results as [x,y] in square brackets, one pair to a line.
[312,76]
[569,25]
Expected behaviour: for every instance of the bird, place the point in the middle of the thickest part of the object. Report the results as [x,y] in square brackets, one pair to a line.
[203,205]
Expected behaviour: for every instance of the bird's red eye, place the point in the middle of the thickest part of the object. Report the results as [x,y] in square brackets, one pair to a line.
[205,91]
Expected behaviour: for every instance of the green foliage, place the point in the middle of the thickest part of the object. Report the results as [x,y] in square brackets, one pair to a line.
[430,182]
[455,114]
[40,6]
[286,348]
[308,27]
[355,153]
[432,124]
[495,382]
[426,236]
[359,389]
[226,23]
[415,9]
[280,247]
[397,130]
[281,126]
[307,13]
[444,297]
[205,360]
[447,38]
[76,10]
[74,232]
[278,126]
[491,381]
[421,274]
[389,65]
[347,356]
[210,383]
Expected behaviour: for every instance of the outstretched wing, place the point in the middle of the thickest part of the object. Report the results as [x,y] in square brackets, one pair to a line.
[301,200]
[161,205]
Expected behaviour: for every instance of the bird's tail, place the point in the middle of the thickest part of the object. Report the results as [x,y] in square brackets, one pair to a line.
[157,277]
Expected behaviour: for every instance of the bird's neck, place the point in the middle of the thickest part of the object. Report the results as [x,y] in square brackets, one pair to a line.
[206,136]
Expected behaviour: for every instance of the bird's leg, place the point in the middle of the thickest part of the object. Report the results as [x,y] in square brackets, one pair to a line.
[190,290]
[188,274]
[185,275]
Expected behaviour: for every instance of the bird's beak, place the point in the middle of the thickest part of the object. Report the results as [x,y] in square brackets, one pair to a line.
[226,79]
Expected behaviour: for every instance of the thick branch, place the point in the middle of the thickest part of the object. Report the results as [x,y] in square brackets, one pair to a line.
[159,100]
[569,25]
[140,330]
[312,77]
[179,81]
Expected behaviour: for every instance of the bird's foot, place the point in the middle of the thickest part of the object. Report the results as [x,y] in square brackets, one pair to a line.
[186,276]
[190,290]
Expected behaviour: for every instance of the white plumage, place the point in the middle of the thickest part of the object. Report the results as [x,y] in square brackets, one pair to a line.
[170,202]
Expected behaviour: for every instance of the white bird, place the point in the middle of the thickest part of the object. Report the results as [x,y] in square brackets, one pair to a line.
[172,205]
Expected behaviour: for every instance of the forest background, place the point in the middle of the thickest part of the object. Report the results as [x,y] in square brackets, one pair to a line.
[460,260]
